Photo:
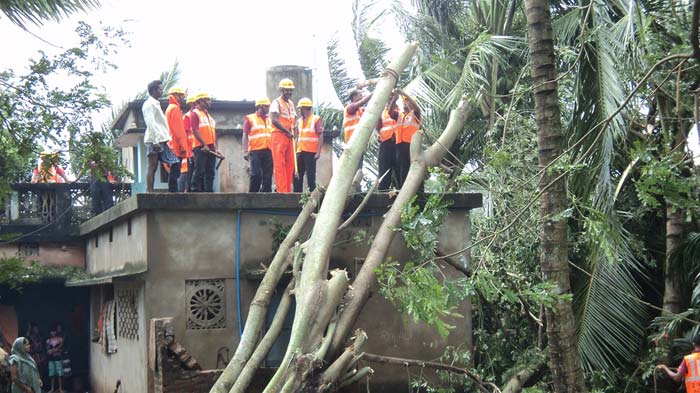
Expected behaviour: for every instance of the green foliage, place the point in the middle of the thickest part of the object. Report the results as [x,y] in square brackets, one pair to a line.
[418,292]
[16,272]
[53,103]
[21,12]
[664,178]
[421,226]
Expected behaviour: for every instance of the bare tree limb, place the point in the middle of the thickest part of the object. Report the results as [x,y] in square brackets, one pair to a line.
[518,381]
[370,357]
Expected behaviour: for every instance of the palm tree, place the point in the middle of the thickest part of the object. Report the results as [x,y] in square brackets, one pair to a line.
[567,374]
[22,12]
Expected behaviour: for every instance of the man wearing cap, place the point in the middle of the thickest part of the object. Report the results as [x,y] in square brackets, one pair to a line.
[157,133]
[310,128]
[283,119]
[178,137]
[408,124]
[205,154]
[353,113]
[256,146]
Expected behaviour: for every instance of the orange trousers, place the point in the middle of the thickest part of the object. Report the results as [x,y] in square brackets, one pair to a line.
[282,161]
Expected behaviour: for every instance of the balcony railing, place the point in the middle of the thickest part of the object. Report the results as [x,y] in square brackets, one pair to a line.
[50,212]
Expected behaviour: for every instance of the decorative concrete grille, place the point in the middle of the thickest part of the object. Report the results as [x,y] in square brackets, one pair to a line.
[205,304]
[127,313]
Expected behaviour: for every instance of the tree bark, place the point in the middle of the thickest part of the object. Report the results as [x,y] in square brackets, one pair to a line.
[357,297]
[258,307]
[315,269]
[564,363]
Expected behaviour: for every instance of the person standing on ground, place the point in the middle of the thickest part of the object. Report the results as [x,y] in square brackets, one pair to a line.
[310,128]
[387,144]
[178,137]
[157,134]
[408,124]
[54,350]
[205,153]
[37,351]
[23,369]
[256,146]
[688,370]
[283,118]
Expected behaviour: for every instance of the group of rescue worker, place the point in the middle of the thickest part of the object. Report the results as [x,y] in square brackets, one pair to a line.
[277,142]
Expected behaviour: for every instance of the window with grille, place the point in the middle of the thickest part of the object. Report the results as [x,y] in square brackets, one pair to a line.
[127,313]
[206,307]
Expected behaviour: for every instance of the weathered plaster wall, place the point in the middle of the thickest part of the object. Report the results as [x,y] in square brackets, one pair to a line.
[129,363]
[125,251]
[46,253]
[191,245]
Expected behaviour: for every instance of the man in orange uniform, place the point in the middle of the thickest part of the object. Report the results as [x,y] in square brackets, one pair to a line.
[256,146]
[283,118]
[178,137]
[688,370]
[353,113]
[387,144]
[184,183]
[310,128]
[204,130]
[408,124]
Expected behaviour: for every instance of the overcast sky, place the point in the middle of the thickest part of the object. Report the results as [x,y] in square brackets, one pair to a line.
[224,47]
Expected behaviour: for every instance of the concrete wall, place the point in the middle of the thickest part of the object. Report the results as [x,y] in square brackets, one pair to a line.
[72,254]
[187,237]
[125,251]
[129,363]
[191,246]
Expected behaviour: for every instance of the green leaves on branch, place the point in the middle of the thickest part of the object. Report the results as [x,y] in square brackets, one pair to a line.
[665,178]
[16,273]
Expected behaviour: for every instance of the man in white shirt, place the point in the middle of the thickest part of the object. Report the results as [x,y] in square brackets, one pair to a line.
[157,133]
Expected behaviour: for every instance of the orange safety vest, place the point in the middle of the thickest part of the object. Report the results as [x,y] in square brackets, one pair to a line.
[188,130]
[407,126]
[308,138]
[287,116]
[692,378]
[388,126]
[350,122]
[260,130]
[207,128]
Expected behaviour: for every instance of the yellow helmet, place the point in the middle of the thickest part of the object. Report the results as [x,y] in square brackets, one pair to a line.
[46,153]
[191,99]
[286,83]
[201,95]
[176,90]
[262,101]
[305,103]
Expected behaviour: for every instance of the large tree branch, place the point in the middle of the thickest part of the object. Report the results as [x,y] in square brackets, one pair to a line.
[258,307]
[483,386]
[357,297]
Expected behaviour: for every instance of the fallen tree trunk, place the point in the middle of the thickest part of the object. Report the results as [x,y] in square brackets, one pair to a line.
[258,307]
[357,297]
[518,381]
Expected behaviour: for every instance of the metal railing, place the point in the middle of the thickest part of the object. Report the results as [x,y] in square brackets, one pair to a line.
[50,211]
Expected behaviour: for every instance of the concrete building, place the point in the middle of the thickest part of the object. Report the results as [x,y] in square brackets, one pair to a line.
[186,266]
[198,259]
